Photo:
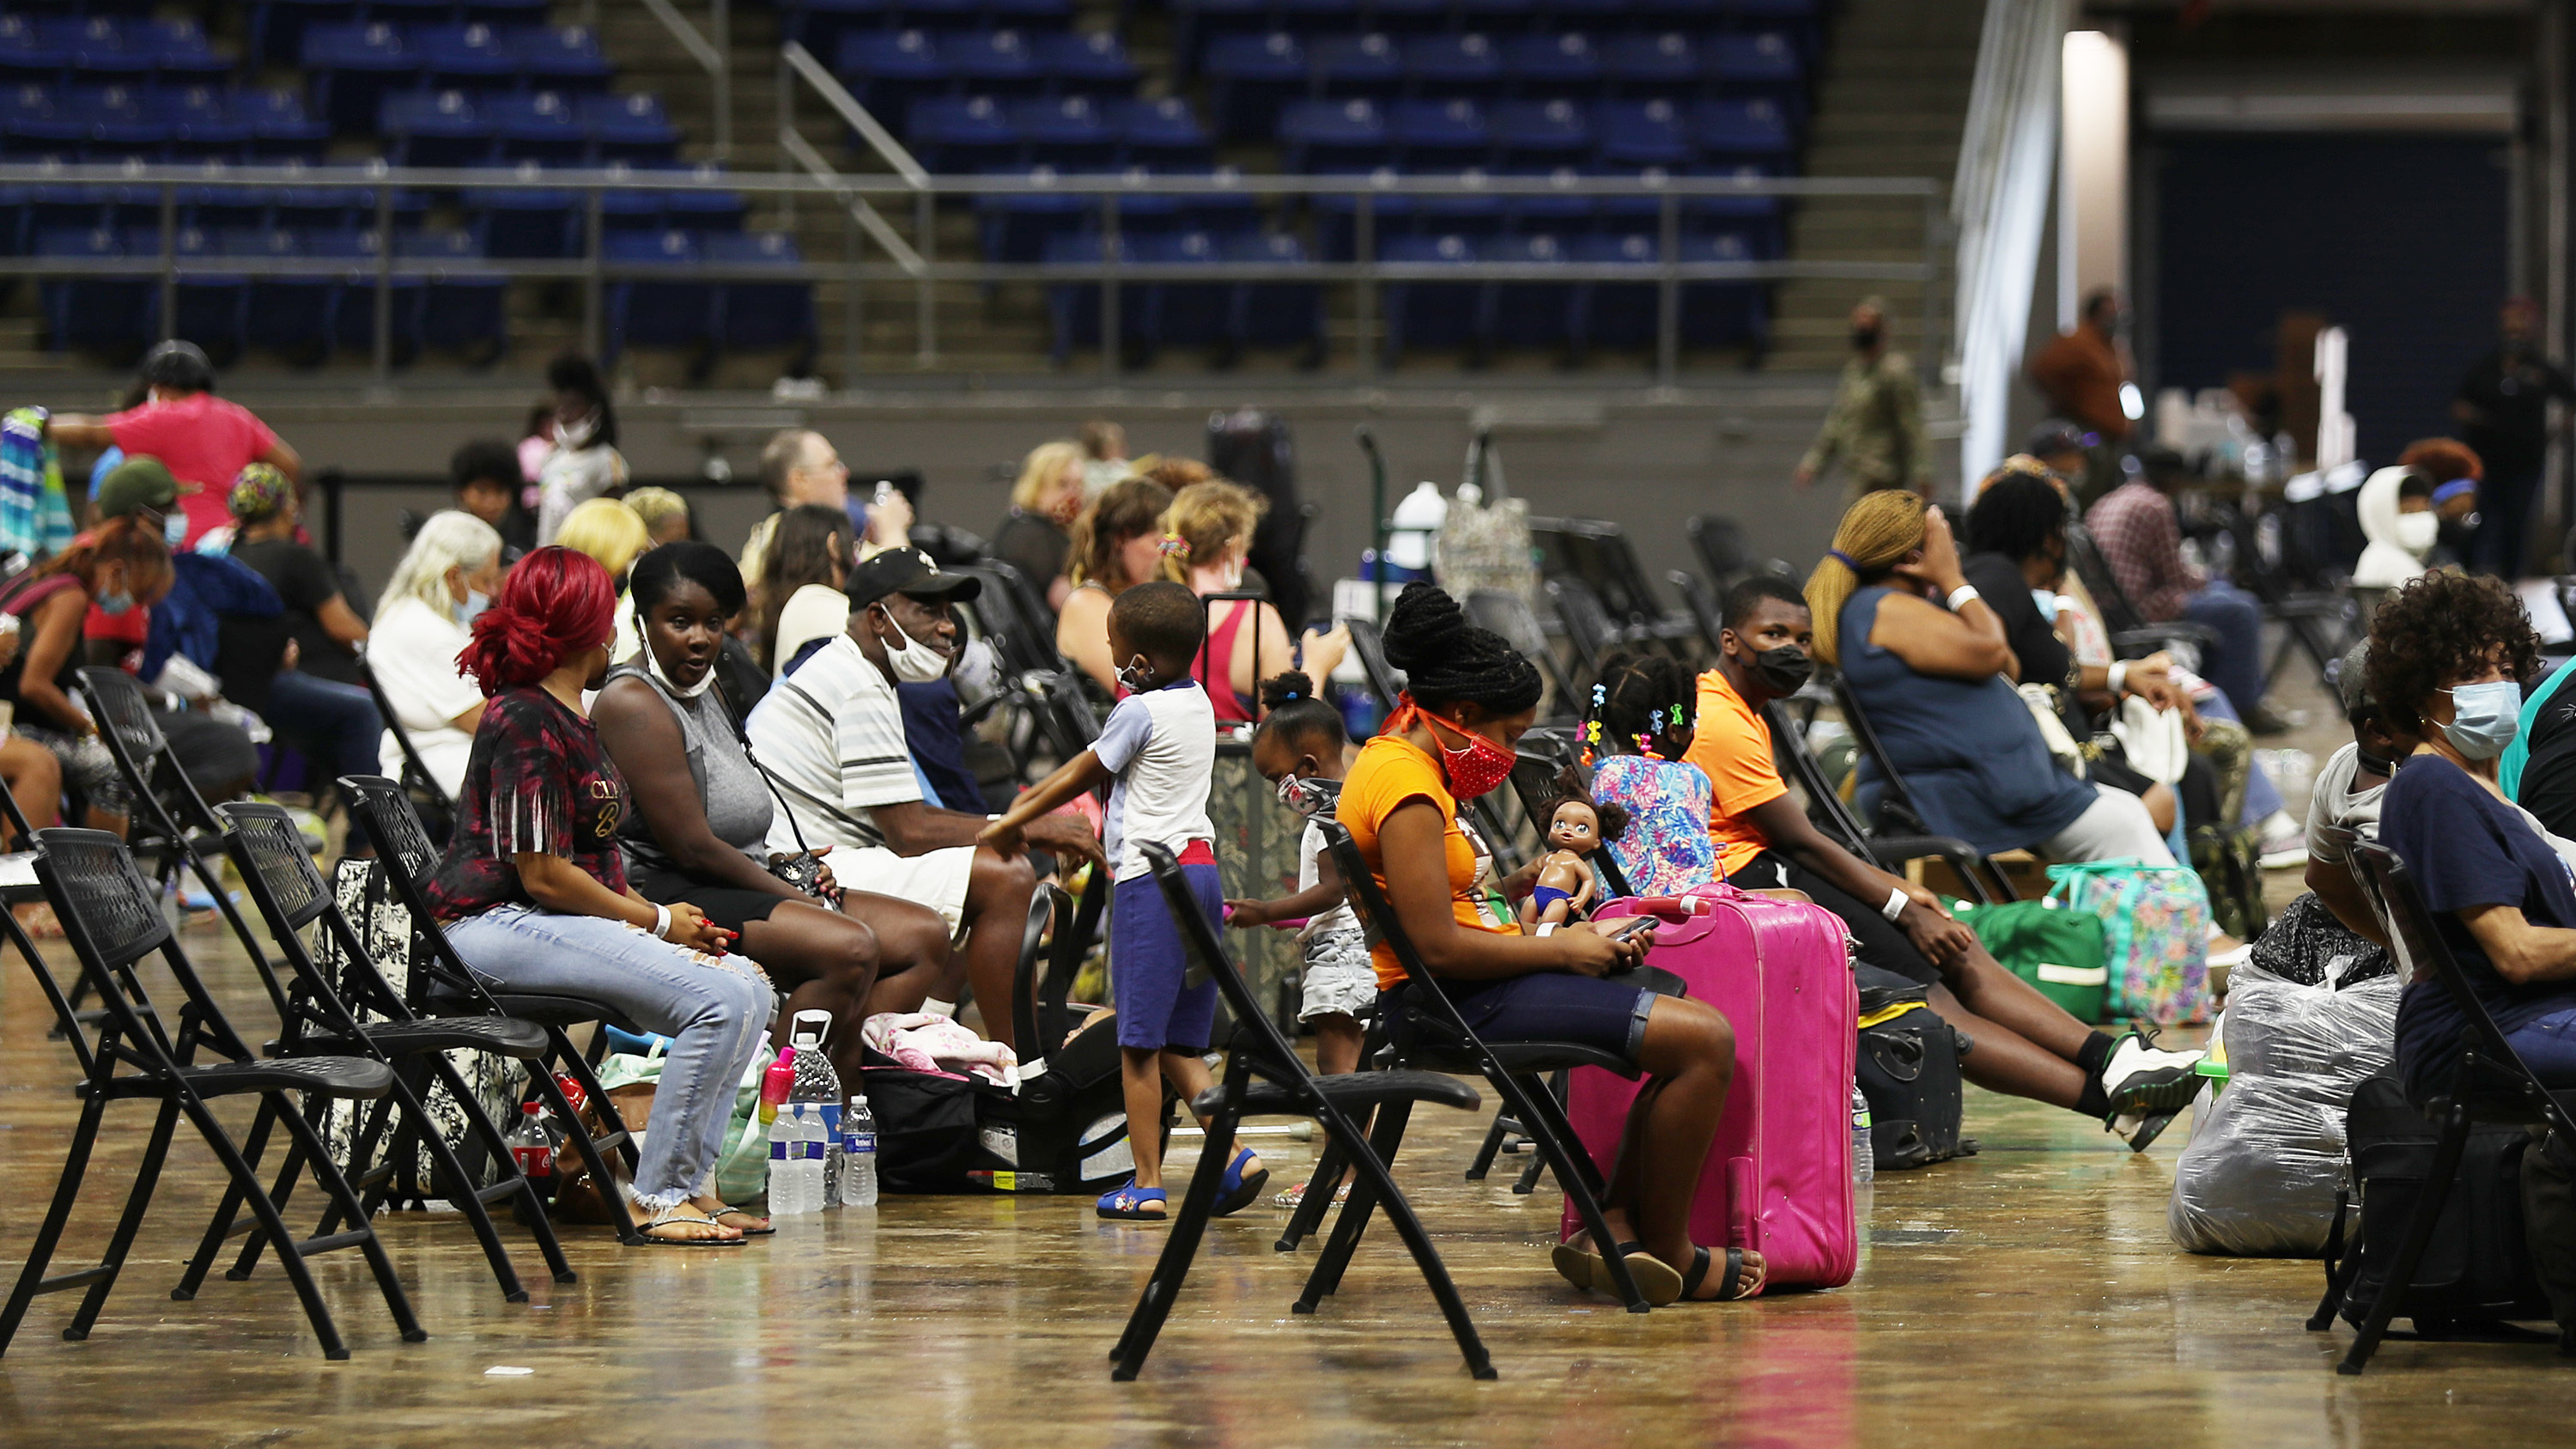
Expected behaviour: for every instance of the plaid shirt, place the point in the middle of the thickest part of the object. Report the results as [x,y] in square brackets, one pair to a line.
[2141,539]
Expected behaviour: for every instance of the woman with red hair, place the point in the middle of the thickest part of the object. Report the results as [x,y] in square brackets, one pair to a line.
[533,895]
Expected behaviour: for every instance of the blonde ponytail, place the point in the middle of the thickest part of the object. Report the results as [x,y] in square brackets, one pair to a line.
[1876,534]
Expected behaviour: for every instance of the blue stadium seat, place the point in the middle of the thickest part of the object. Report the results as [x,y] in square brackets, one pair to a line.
[1691,15]
[1409,17]
[28,125]
[465,57]
[1093,65]
[1617,314]
[943,17]
[823,26]
[1066,132]
[627,128]
[1723,314]
[1073,308]
[353,307]
[537,126]
[1803,21]
[1764,65]
[354,67]
[322,208]
[277,26]
[30,53]
[994,63]
[1561,212]
[1160,133]
[1439,66]
[654,312]
[200,123]
[1756,218]
[1222,212]
[1472,214]
[1500,17]
[1035,16]
[1357,65]
[1196,24]
[1541,133]
[114,122]
[1317,17]
[1602,17]
[1251,78]
[1275,314]
[888,70]
[560,57]
[1436,134]
[1343,134]
[1733,131]
[1634,134]
[1543,67]
[1431,313]
[1337,213]
[227,209]
[97,313]
[505,12]
[1182,314]
[517,222]
[435,128]
[628,210]
[65,208]
[761,314]
[961,133]
[1017,227]
[292,315]
[1534,313]
[214,310]
[280,129]
[104,51]
[701,210]
[1644,67]
[458,309]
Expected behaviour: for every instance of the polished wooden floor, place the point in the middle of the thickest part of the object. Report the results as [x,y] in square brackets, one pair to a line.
[2031,1289]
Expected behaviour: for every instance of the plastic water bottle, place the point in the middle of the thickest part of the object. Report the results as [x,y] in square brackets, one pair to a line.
[782,1162]
[1864,1156]
[816,1083]
[532,1147]
[858,1153]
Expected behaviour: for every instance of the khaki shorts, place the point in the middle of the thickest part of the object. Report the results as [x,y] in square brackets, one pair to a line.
[936,879]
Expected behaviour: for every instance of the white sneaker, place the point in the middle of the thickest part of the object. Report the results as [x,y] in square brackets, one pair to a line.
[2283,842]
[2139,1078]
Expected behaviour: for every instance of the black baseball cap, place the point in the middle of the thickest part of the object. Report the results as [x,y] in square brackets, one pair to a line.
[909,572]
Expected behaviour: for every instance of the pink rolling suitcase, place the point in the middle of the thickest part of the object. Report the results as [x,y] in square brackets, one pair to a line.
[1779,1174]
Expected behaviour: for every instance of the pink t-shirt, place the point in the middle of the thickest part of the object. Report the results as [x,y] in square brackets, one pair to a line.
[202,439]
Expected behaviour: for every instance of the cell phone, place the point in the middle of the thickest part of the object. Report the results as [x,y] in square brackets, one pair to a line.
[1622,930]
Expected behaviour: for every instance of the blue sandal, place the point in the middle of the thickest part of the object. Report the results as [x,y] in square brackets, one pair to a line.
[1126,1203]
[1234,1191]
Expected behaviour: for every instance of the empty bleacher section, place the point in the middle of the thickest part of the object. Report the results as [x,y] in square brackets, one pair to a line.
[1592,170]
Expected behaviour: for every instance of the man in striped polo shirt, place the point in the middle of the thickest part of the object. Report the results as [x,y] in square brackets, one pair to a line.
[831,735]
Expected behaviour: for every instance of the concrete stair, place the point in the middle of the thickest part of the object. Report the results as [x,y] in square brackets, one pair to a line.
[1891,101]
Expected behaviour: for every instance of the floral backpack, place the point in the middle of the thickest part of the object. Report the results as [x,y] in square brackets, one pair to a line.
[2155,935]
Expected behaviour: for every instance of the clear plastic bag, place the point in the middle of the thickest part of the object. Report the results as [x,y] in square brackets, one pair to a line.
[2259,1176]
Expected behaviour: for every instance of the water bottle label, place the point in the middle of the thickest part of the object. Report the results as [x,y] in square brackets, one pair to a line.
[778,1149]
[831,1119]
[862,1143]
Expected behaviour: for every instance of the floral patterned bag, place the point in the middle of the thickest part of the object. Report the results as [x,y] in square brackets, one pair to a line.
[2155,935]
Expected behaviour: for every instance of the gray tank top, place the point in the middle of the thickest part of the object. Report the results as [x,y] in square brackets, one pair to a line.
[730,786]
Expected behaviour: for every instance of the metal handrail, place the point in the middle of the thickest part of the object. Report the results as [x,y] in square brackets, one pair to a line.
[710,55]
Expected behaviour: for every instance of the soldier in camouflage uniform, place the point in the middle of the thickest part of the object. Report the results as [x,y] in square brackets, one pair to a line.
[1876,425]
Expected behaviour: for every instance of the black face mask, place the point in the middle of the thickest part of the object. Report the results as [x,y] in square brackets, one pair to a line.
[1865,338]
[1786,669]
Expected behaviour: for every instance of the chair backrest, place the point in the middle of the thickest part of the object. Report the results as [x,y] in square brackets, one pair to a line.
[2426,956]
[2119,613]
[394,828]
[1588,626]
[1370,645]
[125,717]
[1705,610]
[268,850]
[1272,1054]
[415,773]
[1723,550]
[1545,754]
[1378,919]
[1511,616]
[1890,781]
[1825,807]
[111,917]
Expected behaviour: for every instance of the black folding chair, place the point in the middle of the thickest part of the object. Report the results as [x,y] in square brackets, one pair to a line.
[426,790]
[1590,632]
[1896,805]
[1436,1038]
[112,917]
[2133,635]
[172,822]
[1707,614]
[2491,1084]
[1596,552]
[1887,850]
[291,895]
[1722,547]
[441,985]
[1263,1077]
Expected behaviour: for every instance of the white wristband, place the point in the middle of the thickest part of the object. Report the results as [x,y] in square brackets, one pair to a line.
[1896,903]
[2119,675]
[1961,595]
[662,922]
[1547,928]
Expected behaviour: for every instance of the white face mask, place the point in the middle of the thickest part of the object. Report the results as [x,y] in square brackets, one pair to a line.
[576,434]
[2416,532]
[915,662]
[653,666]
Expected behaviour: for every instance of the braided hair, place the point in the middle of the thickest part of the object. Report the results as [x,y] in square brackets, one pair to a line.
[1642,701]
[1291,711]
[1447,659]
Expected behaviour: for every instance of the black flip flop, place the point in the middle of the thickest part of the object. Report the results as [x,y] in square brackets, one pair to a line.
[1726,1286]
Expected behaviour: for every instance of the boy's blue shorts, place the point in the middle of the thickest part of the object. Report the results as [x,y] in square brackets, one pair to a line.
[1147,964]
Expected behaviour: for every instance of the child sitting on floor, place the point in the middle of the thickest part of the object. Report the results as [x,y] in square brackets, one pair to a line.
[1299,750]
[1642,716]
[1159,747]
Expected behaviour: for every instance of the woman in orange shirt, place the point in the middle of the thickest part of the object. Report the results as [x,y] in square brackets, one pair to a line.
[1472,697]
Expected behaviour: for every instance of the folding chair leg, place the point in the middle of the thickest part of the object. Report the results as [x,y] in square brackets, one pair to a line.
[1330,1164]
[227,1218]
[468,1199]
[1495,1136]
[617,1138]
[2419,1234]
[1528,1182]
[138,1200]
[2338,1271]
[1385,1137]
[397,1301]
[484,1134]
[1145,1323]
[1380,1182]
[1555,1139]
[31,1278]
[272,1223]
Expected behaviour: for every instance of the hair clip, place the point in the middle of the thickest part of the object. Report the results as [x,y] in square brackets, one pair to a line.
[1600,696]
[1175,546]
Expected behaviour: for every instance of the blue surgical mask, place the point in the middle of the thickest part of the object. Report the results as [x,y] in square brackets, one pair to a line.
[2484,718]
[116,603]
[2046,601]
[476,601]
[174,529]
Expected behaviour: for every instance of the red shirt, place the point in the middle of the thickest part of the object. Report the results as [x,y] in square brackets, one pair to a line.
[202,439]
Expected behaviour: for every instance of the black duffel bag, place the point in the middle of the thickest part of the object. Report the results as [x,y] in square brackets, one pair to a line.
[2476,1268]
[1908,1070]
